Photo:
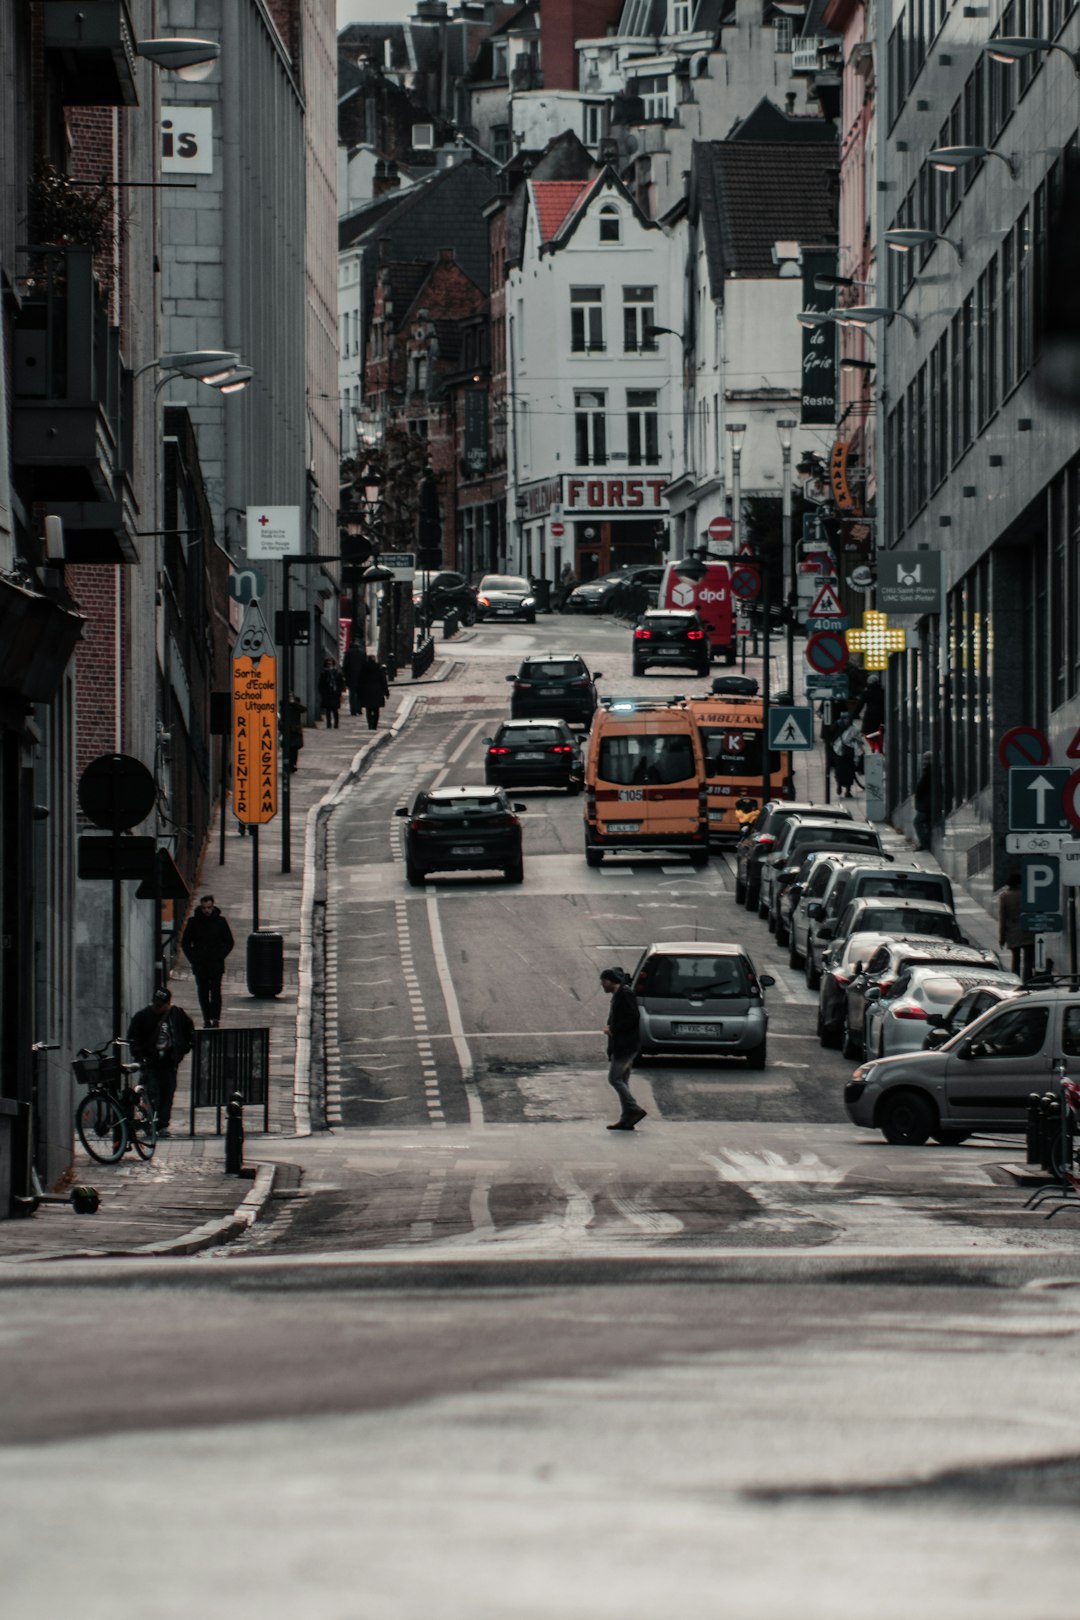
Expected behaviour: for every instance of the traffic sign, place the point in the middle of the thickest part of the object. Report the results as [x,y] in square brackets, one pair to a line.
[246,585]
[1040,894]
[823,687]
[1069,859]
[721,528]
[1070,798]
[745,583]
[827,652]
[814,625]
[826,604]
[1040,843]
[1037,799]
[1023,745]
[402,564]
[558,530]
[791,727]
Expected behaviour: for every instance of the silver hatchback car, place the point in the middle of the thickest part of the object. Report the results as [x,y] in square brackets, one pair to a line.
[699,997]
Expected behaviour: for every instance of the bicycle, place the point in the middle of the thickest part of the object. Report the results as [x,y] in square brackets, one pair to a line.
[115,1114]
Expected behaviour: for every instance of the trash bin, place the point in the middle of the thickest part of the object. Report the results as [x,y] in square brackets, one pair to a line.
[541,589]
[265,964]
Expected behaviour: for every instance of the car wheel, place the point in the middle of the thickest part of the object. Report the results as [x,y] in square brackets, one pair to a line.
[810,972]
[771,920]
[702,672]
[468,616]
[413,874]
[781,931]
[906,1118]
[593,857]
[762,906]
[825,1035]
[751,898]
[530,618]
[947,1138]
[638,669]
[740,891]
[515,873]
[574,787]
[794,955]
[850,1044]
[755,1058]
[699,857]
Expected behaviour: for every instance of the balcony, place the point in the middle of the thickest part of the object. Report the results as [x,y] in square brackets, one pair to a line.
[92,49]
[70,392]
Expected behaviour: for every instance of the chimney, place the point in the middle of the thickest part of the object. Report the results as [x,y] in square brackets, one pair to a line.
[386,178]
[789,103]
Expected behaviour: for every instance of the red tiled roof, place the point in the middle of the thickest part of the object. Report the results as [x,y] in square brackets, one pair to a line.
[554,200]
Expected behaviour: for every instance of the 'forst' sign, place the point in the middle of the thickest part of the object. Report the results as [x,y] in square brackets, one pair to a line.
[255,732]
[615,495]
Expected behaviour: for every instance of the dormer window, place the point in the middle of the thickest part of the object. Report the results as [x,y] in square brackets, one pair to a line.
[500,59]
[679,16]
[610,224]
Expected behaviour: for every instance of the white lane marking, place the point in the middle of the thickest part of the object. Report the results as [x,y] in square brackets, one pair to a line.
[465,742]
[653,1221]
[453,1012]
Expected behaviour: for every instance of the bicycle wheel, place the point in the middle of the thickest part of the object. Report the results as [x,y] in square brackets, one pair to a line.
[142,1128]
[99,1121]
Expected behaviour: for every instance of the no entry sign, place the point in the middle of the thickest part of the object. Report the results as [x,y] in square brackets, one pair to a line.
[827,652]
[558,530]
[721,528]
[1023,746]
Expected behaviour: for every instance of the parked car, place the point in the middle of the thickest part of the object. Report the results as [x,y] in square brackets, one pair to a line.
[760,836]
[534,753]
[670,637]
[802,914]
[554,685]
[842,963]
[894,916]
[462,829]
[596,595]
[505,596]
[703,998]
[906,878]
[980,1080]
[920,1000]
[894,960]
[800,833]
[435,594]
[975,1000]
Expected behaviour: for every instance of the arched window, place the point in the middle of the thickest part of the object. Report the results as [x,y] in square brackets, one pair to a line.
[610,224]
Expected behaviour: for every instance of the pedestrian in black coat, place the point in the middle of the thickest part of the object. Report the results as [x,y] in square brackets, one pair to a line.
[351,666]
[160,1037]
[623,1030]
[206,942]
[373,689]
[331,686]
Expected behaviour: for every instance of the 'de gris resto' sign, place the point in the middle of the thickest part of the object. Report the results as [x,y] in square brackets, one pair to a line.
[819,382]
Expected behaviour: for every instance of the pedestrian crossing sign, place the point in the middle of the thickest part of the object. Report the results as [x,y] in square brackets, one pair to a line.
[791,728]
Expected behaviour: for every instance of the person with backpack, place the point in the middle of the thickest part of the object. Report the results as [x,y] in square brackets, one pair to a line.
[160,1037]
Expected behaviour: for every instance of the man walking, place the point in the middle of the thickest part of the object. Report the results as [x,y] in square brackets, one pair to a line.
[331,686]
[1012,935]
[623,1030]
[373,689]
[160,1037]
[351,666]
[206,943]
[924,803]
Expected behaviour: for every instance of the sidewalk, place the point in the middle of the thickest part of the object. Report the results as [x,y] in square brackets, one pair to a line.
[182,1201]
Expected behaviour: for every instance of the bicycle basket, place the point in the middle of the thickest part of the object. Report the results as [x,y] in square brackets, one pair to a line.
[97,1069]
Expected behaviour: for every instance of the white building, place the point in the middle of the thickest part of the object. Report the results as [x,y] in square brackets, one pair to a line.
[594,408]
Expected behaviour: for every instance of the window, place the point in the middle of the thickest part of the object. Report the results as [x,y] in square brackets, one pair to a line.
[500,143]
[1008,314]
[590,428]
[1016,1034]
[1024,310]
[628,758]
[500,59]
[610,224]
[782,31]
[593,123]
[639,312]
[967,380]
[653,90]
[642,427]
[679,17]
[586,320]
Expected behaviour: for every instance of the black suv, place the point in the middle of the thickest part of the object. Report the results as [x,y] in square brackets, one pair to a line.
[556,686]
[462,829]
[534,753]
[437,594]
[604,595]
[671,637]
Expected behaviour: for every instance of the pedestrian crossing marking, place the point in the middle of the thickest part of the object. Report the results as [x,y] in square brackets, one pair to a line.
[791,728]
[791,734]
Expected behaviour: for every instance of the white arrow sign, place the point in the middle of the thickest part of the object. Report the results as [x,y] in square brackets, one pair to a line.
[1040,787]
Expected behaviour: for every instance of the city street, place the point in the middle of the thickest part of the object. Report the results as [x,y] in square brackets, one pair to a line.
[488,1359]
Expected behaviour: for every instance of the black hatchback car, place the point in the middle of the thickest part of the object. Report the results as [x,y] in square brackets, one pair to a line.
[554,686]
[671,637]
[534,753]
[462,829]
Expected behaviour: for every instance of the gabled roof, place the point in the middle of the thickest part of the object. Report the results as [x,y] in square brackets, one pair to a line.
[747,195]
[402,283]
[768,122]
[552,201]
[571,203]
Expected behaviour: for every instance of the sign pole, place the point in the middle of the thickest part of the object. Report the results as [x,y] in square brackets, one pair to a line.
[255,877]
[826,726]
[117,947]
[222,770]
[766,593]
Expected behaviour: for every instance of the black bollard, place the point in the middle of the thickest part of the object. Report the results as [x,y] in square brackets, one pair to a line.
[234,1135]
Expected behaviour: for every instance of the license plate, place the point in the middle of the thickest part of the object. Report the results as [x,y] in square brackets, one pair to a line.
[551,691]
[509,612]
[530,756]
[624,826]
[696,1029]
[466,849]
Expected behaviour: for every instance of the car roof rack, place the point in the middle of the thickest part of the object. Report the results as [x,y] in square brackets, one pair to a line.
[1053,981]
[642,704]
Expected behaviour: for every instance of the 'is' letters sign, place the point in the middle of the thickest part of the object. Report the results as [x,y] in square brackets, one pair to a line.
[255,739]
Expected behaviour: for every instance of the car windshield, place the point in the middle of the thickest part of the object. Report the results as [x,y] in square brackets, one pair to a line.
[503,582]
[733,751]
[527,736]
[821,836]
[631,757]
[556,670]
[936,991]
[477,804]
[693,977]
[668,621]
[897,920]
[924,886]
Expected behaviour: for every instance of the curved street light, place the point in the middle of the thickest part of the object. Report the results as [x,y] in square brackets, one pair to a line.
[950,158]
[1013,48]
[864,315]
[190,59]
[205,365]
[903,239]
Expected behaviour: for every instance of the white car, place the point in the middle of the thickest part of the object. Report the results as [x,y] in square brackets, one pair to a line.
[918,1002]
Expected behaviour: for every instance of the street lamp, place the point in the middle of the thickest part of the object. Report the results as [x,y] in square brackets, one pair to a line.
[231,382]
[190,59]
[737,431]
[1013,48]
[205,365]
[950,158]
[864,315]
[828,283]
[785,427]
[813,317]
[902,240]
